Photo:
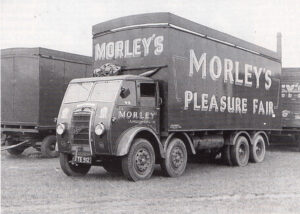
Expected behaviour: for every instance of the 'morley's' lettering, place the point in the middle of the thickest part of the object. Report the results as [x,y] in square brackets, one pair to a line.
[128,49]
[136,115]
[230,69]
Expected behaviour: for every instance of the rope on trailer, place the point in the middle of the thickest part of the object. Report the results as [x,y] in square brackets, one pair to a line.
[13,146]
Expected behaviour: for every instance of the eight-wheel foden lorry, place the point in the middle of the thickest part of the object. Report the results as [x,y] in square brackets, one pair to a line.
[168,87]
[33,82]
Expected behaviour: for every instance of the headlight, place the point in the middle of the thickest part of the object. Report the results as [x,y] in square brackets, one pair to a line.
[60,128]
[99,129]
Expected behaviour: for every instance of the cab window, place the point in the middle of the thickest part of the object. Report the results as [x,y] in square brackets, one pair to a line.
[147,94]
[127,94]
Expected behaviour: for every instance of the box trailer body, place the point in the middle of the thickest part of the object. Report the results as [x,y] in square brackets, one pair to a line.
[182,88]
[33,82]
[290,98]
[199,67]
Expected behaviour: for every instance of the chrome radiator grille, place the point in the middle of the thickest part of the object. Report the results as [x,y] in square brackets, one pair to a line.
[80,124]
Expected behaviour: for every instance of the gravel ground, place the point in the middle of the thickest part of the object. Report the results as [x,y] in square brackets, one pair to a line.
[31,184]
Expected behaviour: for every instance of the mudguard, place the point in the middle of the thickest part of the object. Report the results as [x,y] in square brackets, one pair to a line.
[187,138]
[235,135]
[264,135]
[125,140]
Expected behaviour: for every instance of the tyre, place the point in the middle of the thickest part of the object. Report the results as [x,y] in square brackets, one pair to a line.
[240,152]
[226,156]
[72,169]
[138,164]
[14,151]
[113,166]
[176,158]
[258,149]
[48,147]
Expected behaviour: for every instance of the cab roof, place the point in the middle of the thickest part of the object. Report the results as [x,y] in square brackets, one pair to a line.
[108,78]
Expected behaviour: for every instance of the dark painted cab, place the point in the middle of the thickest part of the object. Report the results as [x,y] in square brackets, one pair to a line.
[96,113]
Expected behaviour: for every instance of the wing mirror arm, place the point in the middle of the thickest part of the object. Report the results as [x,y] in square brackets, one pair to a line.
[160,101]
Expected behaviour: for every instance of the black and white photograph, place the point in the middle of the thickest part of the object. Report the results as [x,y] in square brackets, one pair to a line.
[148,106]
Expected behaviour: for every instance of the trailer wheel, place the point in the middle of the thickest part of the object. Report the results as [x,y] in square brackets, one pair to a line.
[258,149]
[72,169]
[176,158]
[14,151]
[113,166]
[240,152]
[226,156]
[138,164]
[48,147]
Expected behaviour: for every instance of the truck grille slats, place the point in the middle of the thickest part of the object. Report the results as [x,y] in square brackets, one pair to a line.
[80,124]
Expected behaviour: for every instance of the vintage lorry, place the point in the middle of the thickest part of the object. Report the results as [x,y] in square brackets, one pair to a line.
[33,82]
[167,87]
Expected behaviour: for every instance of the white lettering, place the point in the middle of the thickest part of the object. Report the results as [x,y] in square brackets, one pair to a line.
[197,64]
[158,44]
[212,62]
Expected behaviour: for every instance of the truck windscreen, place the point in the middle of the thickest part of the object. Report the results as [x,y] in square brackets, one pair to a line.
[105,91]
[78,92]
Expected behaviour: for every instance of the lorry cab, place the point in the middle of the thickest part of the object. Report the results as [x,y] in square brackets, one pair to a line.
[98,115]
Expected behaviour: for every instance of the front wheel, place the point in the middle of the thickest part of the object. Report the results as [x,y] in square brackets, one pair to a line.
[176,158]
[258,149]
[70,168]
[138,164]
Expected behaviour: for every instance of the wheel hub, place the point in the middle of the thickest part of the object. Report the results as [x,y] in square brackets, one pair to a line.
[177,157]
[258,149]
[242,152]
[142,160]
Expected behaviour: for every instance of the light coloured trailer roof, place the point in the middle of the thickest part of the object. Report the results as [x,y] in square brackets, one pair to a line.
[176,22]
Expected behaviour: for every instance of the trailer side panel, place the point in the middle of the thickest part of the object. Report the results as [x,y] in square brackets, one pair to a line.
[214,86]
[19,87]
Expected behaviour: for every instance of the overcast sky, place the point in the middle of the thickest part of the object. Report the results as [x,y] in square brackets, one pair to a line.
[66,25]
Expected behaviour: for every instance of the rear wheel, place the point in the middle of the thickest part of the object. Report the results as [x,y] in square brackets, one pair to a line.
[176,158]
[258,149]
[70,168]
[240,152]
[14,151]
[138,164]
[48,147]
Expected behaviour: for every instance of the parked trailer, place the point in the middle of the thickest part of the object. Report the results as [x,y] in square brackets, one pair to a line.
[168,87]
[33,82]
[290,104]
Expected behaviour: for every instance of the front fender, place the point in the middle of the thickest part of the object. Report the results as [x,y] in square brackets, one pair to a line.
[125,140]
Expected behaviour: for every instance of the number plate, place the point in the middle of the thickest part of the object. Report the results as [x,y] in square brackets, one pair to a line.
[82,159]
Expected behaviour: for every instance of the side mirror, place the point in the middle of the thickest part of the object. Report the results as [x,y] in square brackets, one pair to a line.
[160,102]
[124,92]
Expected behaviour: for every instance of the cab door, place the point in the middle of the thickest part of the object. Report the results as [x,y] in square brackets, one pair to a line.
[148,103]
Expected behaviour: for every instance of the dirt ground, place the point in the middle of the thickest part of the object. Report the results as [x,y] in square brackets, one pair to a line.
[31,184]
